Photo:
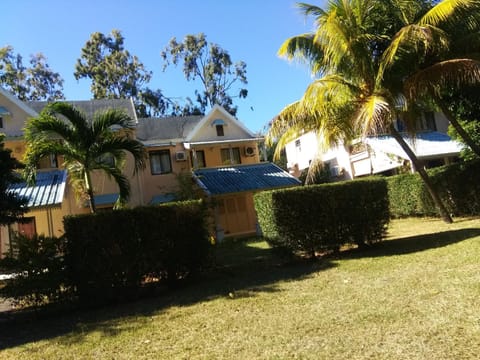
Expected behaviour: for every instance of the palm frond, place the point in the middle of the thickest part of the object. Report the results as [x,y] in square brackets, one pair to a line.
[453,11]
[450,73]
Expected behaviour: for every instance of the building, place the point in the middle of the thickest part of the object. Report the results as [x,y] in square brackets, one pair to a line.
[215,152]
[377,154]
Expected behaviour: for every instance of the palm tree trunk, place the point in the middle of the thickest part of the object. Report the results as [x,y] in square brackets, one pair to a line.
[460,130]
[88,185]
[423,174]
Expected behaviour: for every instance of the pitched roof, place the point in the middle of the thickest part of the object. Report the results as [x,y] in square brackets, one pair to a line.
[240,178]
[429,144]
[90,107]
[174,128]
[48,189]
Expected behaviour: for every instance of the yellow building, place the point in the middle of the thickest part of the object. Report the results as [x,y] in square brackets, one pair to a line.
[216,151]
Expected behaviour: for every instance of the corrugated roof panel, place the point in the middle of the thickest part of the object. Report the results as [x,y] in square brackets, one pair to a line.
[240,178]
[429,144]
[48,190]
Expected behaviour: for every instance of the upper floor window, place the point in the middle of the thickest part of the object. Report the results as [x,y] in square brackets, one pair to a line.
[230,156]
[198,160]
[298,145]
[48,162]
[430,121]
[160,162]
[107,159]
[219,126]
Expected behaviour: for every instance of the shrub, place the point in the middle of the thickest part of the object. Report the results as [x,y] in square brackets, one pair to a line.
[39,273]
[110,255]
[318,218]
[457,184]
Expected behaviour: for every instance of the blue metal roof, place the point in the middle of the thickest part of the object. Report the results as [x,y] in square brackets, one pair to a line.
[48,189]
[240,178]
[428,144]
[105,199]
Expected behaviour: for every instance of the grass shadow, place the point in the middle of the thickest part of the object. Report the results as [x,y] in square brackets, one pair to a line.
[239,269]
[412,244]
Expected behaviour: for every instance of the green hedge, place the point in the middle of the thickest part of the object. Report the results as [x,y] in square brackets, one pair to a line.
[110,255]
[324,217]
[458,185]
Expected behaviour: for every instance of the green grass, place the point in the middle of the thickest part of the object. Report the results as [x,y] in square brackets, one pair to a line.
[414,296]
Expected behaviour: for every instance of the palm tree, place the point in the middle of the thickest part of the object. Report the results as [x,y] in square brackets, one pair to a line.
[63,130]
[355,94]
[438,51]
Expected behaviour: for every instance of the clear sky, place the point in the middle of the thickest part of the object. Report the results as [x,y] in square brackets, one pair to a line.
[250,30]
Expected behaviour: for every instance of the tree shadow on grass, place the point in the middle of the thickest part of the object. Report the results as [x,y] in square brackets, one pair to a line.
[412,244]
[239,270]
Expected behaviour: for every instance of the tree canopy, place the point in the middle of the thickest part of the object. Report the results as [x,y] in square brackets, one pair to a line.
[114,72]
[213,67]
[11,206]
[34,82]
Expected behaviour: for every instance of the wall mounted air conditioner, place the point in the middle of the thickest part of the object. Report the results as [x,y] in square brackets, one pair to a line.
[181,156]
[249,151]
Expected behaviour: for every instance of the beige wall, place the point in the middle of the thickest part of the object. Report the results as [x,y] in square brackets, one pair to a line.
[232,130]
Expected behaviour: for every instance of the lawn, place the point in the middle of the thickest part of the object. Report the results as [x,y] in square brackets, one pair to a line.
[414,296]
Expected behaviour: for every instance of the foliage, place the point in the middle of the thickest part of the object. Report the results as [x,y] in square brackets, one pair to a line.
[378,61]
[321,175]
[113,255]
[115,73]
[11,206]
[459,186]
[464,106]
[35,82]
[84,143]
[317,218]
[210,64]
[39,271]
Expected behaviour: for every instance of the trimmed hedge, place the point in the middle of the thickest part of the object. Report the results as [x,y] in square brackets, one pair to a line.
[458,185]
[111,255]
[324,217]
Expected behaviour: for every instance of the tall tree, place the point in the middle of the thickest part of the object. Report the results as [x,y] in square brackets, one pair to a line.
[84,144]
[11,206]
[437,55]
[115,73]
[213,66]
[35,82]
[359,91]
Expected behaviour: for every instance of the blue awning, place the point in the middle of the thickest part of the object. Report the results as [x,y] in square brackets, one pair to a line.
[163,198]
[48,190]
[105,199]
[4,111]
[241,178]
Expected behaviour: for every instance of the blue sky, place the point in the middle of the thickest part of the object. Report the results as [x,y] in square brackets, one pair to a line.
[250,30]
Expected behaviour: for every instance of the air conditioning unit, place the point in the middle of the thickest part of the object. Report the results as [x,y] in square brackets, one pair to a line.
[181,156]
[249,151]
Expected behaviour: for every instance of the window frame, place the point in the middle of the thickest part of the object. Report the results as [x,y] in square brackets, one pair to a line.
[159,153]
[231,156]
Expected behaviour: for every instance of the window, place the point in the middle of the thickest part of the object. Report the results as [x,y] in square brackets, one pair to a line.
[200,156]
[107,159]
[219,130]
[160,162]
[1,122]
[430,121]
[230,156]
[298,145]
[48,162]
